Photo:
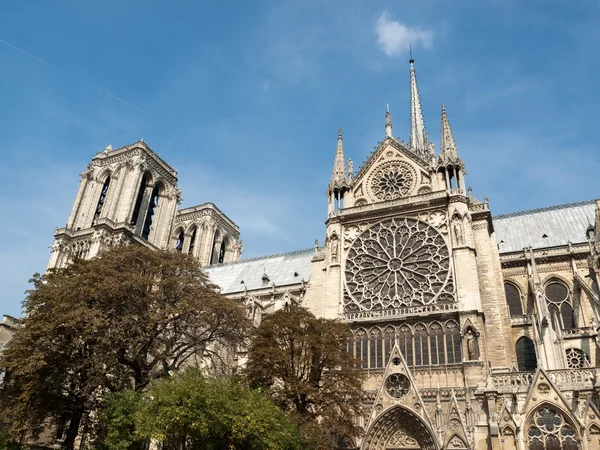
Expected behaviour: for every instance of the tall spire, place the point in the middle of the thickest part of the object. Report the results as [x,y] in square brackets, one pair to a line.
[418,136]
[388,122]
[447,145]
[338,176]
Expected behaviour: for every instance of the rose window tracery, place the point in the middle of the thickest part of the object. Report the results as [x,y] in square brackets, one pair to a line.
[397,263]
[548,430]
[576,358]
[397,385]
[392,181]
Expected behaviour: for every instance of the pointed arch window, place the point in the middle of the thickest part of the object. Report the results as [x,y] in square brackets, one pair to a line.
[389,338]
[405,343]
[436,342]
[548,429]
[526,357]
[151,210]
[192,242]
[222,249]
[453,350]
[421,346]
[559,304]
[179,242]
[135,217]
[513,299]
[360,350]
[101,199]
[375,354]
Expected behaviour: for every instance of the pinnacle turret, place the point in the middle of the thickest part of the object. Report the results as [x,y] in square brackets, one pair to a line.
[339,176]
[447,145]
[388,122]
[418,142]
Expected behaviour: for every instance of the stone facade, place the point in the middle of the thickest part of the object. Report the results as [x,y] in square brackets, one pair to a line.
[476,332]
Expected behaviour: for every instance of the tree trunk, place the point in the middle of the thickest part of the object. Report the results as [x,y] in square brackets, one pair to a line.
[73,429]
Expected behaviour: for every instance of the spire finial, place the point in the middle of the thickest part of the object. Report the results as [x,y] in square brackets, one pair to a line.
[411,60]
[339,174]
[418,141]
[388,122]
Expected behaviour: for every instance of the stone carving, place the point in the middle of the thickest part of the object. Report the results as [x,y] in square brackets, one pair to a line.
[472,345]
[393,180]
[334,248]
[398,262]
[402,440]
[457,228]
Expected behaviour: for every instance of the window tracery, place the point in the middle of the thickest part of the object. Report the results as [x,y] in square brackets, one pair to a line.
[102,199]
[559,304]
[576,358]
[393,180]
[397,263]
[421,344]
[549,430]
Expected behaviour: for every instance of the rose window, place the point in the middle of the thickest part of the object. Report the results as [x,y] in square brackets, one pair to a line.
[392,181]
[397,263]
[549,430]
[397,385]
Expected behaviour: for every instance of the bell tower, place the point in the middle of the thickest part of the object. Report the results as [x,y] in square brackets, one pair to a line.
[127,194]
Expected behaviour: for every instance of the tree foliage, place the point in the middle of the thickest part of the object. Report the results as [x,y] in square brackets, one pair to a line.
[117,321]
[301,361]
[197,413]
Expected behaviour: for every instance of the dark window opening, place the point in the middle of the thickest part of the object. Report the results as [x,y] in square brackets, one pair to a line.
[102,199]
[140,197]
[526,357]
[192,242]
[179,243]
[150,215]
[513,299]
[222,253]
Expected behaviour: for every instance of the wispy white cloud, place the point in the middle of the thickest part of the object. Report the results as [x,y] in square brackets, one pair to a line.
[394,37]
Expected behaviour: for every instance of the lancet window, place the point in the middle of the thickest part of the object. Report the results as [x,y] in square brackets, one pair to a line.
[179,242]
[192,241]
[526,357]
[559,304]
[102,199]
[421,344]
[146,180]
[151,210]
[513,299]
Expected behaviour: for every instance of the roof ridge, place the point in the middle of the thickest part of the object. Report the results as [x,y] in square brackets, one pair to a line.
[258,258]
[544,209]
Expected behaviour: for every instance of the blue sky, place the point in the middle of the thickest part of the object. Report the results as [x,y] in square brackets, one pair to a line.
[245,99]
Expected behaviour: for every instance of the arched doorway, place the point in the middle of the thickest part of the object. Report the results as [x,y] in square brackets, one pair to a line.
[399,428]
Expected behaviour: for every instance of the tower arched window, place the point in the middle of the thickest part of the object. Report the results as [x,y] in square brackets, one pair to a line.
[221,258]
[179,242]
[192,241]
[152,205]
[559,304]
[526,357]
[513,299]
[101,199]
[146,180]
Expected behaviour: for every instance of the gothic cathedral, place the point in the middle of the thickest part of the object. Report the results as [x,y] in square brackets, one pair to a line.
[476,332]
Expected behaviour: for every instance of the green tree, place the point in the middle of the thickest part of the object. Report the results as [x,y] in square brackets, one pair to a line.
[197,413]
[301,362]
[117,321]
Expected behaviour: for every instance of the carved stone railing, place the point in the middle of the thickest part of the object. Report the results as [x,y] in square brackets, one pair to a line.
[566,379]
[512,379]
[398,312]
[526,319]
[389,203]
[578,332]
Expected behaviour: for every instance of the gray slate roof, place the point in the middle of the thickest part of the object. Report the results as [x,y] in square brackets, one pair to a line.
[561,224]
[282,269]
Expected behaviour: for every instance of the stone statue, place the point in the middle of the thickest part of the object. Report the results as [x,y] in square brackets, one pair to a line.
[458,232]
[334,249]
[472,347]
